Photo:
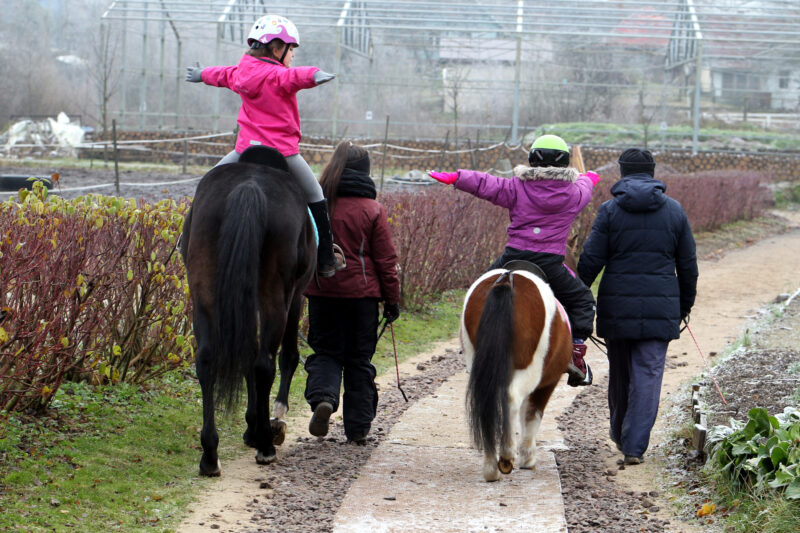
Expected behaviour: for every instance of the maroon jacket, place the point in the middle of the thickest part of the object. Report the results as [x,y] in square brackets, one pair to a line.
[361,227]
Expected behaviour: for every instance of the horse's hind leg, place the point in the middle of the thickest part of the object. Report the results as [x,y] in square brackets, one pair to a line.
[288,356]
[531,420]
[263,377]
[209,439]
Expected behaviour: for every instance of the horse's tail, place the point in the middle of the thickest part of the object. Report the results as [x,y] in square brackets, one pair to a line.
[489,378]
[236,304]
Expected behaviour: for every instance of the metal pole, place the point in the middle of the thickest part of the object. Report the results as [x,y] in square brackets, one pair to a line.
[143,94]
[162,51]
[517,69]
[123,62]
[178,84]
[116,155]
[337,67]
[385,142]
[217,53]
[697,89]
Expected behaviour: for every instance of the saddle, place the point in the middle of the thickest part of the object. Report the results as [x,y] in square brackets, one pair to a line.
[264,155]
[527,266]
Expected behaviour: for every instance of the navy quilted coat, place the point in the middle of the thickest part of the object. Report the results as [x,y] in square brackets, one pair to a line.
[643,240]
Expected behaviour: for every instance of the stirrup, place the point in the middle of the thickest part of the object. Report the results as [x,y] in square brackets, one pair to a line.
[576,378]
[339,263]
[338,257]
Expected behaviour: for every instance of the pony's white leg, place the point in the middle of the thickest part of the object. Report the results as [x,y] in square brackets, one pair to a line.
[508,447]
[527,452]
[490,470]
[280,409]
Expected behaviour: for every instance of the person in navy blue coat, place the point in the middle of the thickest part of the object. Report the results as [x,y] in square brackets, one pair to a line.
[643,240]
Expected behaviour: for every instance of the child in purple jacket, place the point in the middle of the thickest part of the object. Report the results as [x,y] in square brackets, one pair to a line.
[268,85]
[542,201]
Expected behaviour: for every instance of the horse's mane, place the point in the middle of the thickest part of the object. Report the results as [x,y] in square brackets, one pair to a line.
[264,155]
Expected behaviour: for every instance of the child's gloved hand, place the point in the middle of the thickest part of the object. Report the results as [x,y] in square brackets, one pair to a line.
[594,176]
[321,77]
[448,178]
[193,73]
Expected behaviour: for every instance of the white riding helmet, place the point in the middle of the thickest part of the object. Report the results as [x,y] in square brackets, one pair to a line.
[271,27]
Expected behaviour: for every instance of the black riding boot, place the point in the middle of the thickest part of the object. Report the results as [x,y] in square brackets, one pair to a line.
[327,262]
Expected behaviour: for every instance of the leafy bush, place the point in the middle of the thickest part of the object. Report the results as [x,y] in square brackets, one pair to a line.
[89,289]
[763,453]
[444,238]
[711,199]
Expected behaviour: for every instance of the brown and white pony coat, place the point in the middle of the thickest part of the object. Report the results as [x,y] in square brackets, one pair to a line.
[517,345]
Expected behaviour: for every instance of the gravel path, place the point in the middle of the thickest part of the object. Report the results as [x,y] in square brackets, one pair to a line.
[302,491]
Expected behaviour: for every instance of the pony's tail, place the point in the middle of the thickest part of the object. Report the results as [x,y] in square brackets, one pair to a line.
[487,390]
[236,303]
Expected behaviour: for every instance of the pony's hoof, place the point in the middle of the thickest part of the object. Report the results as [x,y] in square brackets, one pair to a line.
[505,465]
[490,473]
[214,471]
[278,431]
[263,459]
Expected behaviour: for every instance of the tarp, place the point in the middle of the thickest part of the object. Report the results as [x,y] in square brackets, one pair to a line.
[51,137]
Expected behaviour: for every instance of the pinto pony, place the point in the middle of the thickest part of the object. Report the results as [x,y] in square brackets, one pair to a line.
[249,248]
[517,344]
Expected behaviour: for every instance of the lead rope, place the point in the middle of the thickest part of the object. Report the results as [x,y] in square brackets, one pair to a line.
[396,364]
[706,363]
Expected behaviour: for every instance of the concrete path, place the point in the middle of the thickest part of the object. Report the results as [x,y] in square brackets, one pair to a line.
[427,477]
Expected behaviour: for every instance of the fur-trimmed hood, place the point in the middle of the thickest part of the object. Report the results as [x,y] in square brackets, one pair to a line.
[526,173]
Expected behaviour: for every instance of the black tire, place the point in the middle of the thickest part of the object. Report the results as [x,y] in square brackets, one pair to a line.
[15,182]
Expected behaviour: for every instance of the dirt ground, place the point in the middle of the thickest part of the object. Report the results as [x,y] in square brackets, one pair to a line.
[302,491]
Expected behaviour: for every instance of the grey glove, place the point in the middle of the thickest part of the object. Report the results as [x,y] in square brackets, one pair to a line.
[193,73]
[321,77]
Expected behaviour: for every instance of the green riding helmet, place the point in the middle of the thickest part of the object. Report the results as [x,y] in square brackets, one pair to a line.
[549,151]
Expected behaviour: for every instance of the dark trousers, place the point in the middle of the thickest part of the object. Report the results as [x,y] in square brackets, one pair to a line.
[635,370]
[343,334]
[576,297]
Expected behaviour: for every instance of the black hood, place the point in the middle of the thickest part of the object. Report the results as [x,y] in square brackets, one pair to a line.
[639,193]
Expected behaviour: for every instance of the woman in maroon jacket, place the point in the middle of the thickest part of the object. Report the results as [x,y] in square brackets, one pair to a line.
[343,310]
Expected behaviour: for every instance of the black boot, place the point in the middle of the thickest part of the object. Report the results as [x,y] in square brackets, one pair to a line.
[327,262]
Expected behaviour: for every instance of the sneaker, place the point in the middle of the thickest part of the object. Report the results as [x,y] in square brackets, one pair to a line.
[633,460]
[579,372]
[318,426]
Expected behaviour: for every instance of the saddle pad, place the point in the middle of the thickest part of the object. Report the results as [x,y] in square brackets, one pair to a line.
[314,225]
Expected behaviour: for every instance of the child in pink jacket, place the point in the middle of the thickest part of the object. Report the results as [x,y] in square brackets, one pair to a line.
[542,201]
[268,84]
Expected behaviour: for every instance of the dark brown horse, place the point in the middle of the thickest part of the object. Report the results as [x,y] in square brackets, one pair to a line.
[517,344]
[249,248]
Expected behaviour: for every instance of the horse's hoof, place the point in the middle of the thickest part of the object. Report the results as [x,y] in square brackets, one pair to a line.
[210,472]
[505,465]
[265,459]
[278,431]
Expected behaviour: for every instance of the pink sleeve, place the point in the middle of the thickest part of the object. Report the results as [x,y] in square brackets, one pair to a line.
[585,188]
[219,76]
[294,79]
[499,191]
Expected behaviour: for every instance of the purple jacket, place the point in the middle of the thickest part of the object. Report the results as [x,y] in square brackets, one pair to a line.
[542,203]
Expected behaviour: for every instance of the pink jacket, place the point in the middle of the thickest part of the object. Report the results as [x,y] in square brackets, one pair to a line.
[269,113]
